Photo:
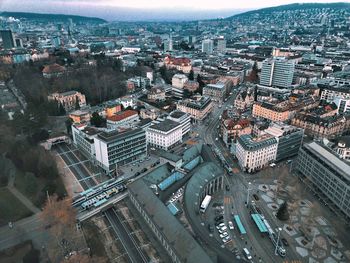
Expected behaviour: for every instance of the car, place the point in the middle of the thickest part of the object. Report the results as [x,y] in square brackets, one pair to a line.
[224,228]
[227,187]
[153,149]
[230,225]
[284,241]
[256,197]
[247,254]
[219,226]
[144,170]
[226,239]
[221,231]
[134,164]
[216,139]
[221,221]
[219,217]
[10,225]
[137,174]
[210,228]
[225,234]
[272,165]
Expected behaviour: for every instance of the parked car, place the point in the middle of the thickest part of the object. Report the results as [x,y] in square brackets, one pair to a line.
[226,239]
[225,234]
[227,187]
[219,226]
[230,225]
[256,197]
[210,228]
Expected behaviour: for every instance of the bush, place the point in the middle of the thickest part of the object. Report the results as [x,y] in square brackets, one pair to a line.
[282,212]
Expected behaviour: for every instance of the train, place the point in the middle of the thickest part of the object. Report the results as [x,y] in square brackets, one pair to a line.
[91,192]
[103,197]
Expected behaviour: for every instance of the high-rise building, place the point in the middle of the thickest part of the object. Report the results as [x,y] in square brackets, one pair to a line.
[8,40]
[277,72]
[221,47]
[207,46]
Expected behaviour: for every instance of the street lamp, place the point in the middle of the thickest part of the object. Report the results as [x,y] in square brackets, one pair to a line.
[278,239]
[248,190]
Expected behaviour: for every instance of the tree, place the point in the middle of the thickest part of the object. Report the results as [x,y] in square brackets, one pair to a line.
[59,214]
[253,76]
[77,105]
[191,75]
[282,212]
[97,120]
[61,109]
[201,84]
[69,123]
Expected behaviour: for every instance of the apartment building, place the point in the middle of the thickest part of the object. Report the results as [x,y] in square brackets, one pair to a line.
[83,139]
[319,127]
[254,154]
[69,100]
[198,108]
[274,112]
[180,63]
[218,91]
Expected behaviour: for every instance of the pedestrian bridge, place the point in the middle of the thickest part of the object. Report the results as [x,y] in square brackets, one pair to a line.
[53,141]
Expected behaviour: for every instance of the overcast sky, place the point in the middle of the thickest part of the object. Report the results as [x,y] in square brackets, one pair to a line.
[114,9]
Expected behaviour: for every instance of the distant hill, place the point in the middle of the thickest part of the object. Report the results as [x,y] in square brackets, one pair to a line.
[52,17]
[291,7]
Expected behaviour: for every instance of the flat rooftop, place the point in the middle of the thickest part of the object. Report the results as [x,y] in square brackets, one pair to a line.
[118,135]
[328,157]
[165,126]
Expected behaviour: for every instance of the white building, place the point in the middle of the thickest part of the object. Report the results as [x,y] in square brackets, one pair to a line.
[343,104]
[83,139]
[119,148]
[255,153]
[179,80]
[164,134]
[277,72]
[343,148]
[207,46]
[183,118]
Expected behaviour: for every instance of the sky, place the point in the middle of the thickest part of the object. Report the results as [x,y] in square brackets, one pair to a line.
[145,9]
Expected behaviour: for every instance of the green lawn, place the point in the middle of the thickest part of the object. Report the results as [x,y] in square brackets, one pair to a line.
[11,209]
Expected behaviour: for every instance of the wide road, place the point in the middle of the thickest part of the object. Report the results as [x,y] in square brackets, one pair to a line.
[81,173]
[134,252]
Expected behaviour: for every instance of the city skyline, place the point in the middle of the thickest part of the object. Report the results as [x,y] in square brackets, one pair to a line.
[152,10]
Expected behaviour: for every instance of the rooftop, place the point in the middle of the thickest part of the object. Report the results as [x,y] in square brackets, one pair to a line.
[185,246]
[112,136]
[252,144]
[328,157]
[122,115]
[165,126]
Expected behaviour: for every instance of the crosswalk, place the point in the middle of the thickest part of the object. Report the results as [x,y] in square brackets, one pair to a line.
[227,200]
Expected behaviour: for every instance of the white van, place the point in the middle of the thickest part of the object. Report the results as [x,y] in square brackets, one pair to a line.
[247,254]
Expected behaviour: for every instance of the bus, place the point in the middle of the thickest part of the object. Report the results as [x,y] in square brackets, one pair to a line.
[205,203]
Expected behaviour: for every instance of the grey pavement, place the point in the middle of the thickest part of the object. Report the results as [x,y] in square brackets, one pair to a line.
[30,228]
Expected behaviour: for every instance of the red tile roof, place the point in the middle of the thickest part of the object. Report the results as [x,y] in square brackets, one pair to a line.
[122,115]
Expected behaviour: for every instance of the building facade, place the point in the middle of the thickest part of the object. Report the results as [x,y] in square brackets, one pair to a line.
[289,139]
[272,112]
[320,167]
[69,99]
[254,154]
[164,135]
[183,119]
[125,118]
[118,148]
[277,72]
[198,109]
[207,46]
